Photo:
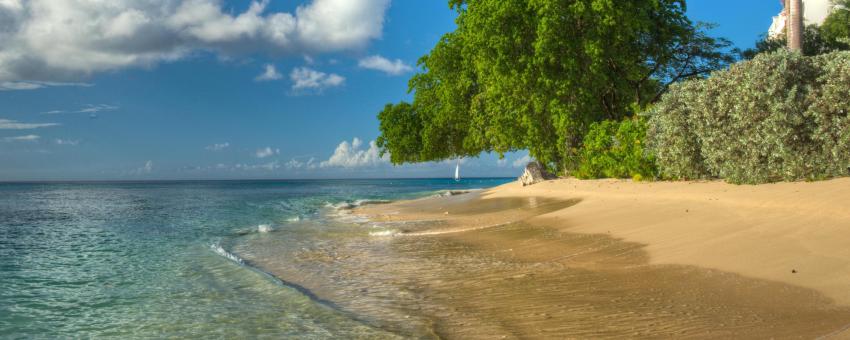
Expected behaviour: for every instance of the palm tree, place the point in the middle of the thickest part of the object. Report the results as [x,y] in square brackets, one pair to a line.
[794,15]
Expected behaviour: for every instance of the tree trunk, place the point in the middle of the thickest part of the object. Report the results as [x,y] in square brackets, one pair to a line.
[795,24]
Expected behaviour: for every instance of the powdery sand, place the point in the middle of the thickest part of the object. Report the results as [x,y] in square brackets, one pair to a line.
[612,258]
[765,231]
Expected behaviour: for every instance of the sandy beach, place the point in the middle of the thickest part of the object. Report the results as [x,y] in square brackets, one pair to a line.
[614,259]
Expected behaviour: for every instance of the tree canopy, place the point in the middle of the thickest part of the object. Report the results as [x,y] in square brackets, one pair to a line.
[535,74]
[830,36]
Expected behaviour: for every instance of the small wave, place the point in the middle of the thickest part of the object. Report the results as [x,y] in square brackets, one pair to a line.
[264,228]
[343,211]
[348,205]
[449,193]
[226,254]
[294,219]
[370,202]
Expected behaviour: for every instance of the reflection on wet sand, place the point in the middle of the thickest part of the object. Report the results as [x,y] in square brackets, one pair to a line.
[524,280]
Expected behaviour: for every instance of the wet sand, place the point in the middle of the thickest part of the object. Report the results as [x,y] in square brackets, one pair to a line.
[561,260]
[530,278]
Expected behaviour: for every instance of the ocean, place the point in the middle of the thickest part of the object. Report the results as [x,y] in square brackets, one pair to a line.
[192,258]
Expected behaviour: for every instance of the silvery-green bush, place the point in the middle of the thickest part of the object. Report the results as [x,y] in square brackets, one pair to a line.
[780,116]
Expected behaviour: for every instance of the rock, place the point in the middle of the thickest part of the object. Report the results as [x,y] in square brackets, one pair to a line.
[534,173]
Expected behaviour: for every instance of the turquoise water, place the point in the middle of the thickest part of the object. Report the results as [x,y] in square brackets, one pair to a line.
[141,260]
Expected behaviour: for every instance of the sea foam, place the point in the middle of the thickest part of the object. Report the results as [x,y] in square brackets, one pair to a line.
[226,254]
[384,233]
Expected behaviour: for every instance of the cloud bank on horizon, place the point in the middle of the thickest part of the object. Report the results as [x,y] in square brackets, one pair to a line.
[61,42]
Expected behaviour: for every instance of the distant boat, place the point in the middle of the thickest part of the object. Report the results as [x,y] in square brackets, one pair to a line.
[457,171]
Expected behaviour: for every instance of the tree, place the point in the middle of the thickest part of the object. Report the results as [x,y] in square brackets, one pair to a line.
[535,74]
[816,43]
[836,27]
[833,35]
[795,24]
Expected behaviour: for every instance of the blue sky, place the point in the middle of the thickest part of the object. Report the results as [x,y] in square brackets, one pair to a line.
[205,89]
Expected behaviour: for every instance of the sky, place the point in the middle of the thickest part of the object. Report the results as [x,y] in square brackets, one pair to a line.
[231,89]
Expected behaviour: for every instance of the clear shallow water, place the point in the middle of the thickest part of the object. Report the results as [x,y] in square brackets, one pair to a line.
[156,259]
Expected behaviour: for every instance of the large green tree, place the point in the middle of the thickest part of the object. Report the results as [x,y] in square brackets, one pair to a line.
[535,74]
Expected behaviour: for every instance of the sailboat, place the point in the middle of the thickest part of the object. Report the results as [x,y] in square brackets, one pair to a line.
[457,171]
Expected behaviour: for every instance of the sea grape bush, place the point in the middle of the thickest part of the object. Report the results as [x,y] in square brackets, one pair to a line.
[780,116]
[615,149]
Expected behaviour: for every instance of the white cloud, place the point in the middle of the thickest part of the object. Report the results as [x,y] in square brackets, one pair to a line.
[266,152]
[67,142]
[304,78]
[88,108]
[351,155]
[270,73]
[7,124]
[522,161]
[392,67]
[218,147]
[97,108]
[266,166]
[296,164]
[32,85]
[145,169]
[58,42]
[27,138]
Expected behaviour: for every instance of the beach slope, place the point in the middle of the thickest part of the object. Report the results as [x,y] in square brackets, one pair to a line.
[614,258]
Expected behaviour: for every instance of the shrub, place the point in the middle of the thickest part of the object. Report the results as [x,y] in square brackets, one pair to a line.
[616,149]
[780,116]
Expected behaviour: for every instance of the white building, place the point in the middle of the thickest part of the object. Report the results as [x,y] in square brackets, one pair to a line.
[814,12]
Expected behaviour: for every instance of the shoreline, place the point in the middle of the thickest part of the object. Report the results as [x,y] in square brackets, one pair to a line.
[729,244]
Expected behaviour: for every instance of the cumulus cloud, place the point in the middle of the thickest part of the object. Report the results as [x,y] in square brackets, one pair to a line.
[266,152]
[27,138]
[307,79]
[67,142]
[218,147]
[353,155]
[379,63]
[58,42]
[7,124]
[269,74]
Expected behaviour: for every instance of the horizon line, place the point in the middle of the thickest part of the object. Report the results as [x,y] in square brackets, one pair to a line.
[58,181]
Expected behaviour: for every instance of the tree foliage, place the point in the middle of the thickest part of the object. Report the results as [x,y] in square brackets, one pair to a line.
[836,27]
[536,74]
[832,35]
[615,149]
[780,116]
[815,42]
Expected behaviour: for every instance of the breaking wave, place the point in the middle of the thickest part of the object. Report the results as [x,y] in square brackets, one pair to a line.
[218,249]
[449,193]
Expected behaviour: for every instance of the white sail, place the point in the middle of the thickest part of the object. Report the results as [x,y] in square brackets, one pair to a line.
[457,172]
